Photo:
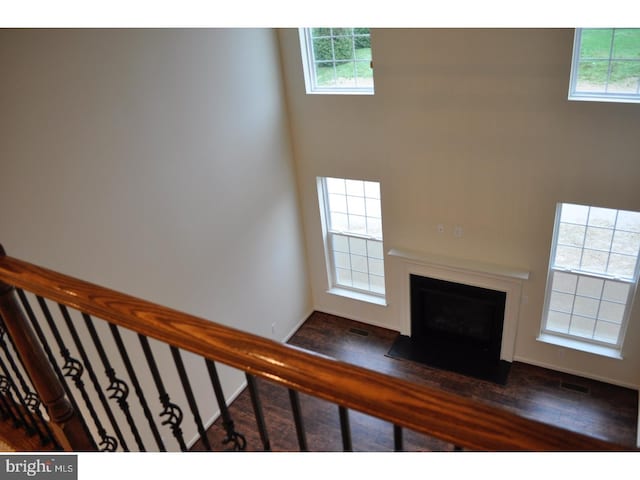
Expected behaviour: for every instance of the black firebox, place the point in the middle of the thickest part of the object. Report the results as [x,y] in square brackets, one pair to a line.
[455,327]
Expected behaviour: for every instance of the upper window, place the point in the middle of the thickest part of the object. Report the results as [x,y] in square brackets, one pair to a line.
[593,273]
[337,60]
[606,65]
[353,235]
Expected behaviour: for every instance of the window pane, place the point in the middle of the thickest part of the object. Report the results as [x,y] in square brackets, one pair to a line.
[355,188]
[607,332]
[373,207]
[376,266]
[616,292]
[337,203]
[622,265]
[572,213]
[571,234]
[343,277]
[626,242]
[340,243]
[372,189]
[342,260]
[377,283]
[358,246]
[564,282]
[567,257]
[590,287]
[624,76]
[586,307]
[561,302]
[582,327]
[357,224]
[598,238]
[612,312]
[629,221]
[602,217]
[335,185]
[356,205]
[339,222]
[594,261]
[374,227]
[361,280]
[596,42]
[375,249]
[359,263]
[558,322]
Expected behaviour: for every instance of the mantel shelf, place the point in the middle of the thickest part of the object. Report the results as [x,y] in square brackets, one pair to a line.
[459,264]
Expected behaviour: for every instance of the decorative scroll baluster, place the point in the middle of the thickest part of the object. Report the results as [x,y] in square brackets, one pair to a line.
[92,376]
[297,417]
[119,389]
[184,379]
[12,407]
[73,369]
[238,440]
[170,410]
[136,386]
[87,437]
[29,401]
[397,439]
[257,410]
[345,429]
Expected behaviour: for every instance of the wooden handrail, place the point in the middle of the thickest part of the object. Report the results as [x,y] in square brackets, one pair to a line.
[447,416]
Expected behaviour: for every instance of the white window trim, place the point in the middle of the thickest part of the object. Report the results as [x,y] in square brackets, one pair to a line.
[334,288]
[617,97]
[308,68]
[573,341]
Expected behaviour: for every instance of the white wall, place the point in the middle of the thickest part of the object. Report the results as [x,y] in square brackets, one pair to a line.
[469,128]
[156,162]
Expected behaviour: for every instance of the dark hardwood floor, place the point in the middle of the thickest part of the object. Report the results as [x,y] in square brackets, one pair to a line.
[593,408]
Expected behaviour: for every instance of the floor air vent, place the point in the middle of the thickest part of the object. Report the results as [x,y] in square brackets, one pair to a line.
[574,387]
[357,331]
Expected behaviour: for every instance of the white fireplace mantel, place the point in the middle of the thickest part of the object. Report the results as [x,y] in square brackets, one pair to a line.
[468,272]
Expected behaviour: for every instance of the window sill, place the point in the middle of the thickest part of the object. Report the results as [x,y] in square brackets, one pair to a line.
[363,297]
[581,346]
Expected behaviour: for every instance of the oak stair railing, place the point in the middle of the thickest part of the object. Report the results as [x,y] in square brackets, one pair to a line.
[61,339]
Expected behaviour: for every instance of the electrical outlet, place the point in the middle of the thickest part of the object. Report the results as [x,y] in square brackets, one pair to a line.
[440,228]
[457,231]
[273,330]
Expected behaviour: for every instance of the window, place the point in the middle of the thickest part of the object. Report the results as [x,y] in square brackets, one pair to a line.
[606,65]
[337,60]
[352,222]
[593,273]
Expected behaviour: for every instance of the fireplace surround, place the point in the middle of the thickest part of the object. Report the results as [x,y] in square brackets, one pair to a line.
[457,314]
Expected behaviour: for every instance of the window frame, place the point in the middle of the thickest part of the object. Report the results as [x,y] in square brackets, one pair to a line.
[592,345]
[596,96]
[310,74]
[328,233]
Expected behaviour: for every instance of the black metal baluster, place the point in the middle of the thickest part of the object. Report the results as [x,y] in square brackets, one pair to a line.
[29,401]
[136,386]
[397,439]
[184,379]
[238,440]
[73,369]
[457,448]
[170,410]
[92,376]
[257,410]
[52,361]
[119,389]
[345,429]
[32,400]
[16,414]
[297,417]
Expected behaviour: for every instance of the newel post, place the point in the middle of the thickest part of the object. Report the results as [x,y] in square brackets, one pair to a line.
[65,421]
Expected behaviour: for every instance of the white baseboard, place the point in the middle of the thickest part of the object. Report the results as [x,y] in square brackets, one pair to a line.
[348,317]
[579,373]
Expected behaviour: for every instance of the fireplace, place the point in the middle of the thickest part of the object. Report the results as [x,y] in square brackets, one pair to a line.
[457,314]
[462,319]
[456,326]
